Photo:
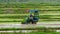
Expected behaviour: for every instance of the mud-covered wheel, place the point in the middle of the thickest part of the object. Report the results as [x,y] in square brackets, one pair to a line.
[34,23]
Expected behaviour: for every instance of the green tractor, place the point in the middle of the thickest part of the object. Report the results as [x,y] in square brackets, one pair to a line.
[32,18]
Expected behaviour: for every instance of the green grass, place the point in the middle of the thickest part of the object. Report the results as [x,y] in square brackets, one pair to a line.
[44,33]
[33,33]
[15,12]
[30,6]
[22,16]
[18,14]
[32,28]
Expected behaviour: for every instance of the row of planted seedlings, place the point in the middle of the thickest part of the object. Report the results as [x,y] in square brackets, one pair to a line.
[22,18]
[23,5]
[29,30]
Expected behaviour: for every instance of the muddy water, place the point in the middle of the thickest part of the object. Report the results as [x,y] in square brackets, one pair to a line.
[45,24]
[25,31]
